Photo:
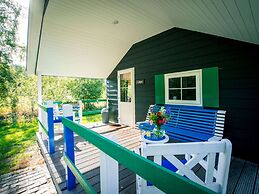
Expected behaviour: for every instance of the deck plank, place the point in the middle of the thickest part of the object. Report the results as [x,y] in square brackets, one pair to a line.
[256,187]
[247,179]
[235,170]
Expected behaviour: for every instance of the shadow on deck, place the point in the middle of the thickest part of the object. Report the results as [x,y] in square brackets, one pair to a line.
[243,175]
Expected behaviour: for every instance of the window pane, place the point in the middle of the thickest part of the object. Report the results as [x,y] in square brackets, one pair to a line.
[175,94]
[175,82]
[125,87]
[189,81]
[123,94]
[189,94]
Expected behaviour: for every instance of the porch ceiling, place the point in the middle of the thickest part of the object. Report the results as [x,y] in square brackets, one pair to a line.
[82,39]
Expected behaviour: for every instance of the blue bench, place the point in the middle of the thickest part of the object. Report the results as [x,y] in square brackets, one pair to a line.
[190,123]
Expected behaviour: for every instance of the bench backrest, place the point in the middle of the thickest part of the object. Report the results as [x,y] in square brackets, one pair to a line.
[192,123]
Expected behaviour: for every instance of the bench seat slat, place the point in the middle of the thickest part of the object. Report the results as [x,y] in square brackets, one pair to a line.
[197,114]
[190,133]
[203,131]
[195,122]
[188,125]
[185,138]
[196,117]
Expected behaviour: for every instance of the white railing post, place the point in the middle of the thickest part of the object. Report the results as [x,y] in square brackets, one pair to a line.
[109,173]
[224,164]
[39,87]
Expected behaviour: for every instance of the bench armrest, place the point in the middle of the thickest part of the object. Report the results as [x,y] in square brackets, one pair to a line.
[214,138]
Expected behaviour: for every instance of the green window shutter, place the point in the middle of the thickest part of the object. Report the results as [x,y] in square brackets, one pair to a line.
[210,87]
[159,89]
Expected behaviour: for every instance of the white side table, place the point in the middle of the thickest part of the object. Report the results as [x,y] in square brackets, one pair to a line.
[155,142]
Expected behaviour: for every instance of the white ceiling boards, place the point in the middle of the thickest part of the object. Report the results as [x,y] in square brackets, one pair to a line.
[87,38]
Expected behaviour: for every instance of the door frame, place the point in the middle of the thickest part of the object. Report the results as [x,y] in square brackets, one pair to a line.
[132,71]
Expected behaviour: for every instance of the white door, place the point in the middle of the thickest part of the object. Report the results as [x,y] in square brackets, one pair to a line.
[126,97]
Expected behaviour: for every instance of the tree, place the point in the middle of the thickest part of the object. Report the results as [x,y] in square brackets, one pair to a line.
[9,13]
[84,88]
[55,89]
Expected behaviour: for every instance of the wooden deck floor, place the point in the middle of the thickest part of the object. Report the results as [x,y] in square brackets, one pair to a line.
[243,175]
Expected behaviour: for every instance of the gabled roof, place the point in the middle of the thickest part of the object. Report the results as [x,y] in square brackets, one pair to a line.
[88,38]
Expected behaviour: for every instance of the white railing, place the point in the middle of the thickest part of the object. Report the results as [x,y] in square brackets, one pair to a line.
[213,156]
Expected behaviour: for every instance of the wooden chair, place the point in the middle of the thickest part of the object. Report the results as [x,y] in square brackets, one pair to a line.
[57,114]
[78,112]
[213,156]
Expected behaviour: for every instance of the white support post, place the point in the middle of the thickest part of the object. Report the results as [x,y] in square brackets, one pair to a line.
[109,172]
[39,88]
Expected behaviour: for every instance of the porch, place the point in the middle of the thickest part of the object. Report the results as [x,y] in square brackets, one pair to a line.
[243,175]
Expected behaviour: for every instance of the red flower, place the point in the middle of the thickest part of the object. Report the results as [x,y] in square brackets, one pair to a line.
[159,113]
[164,120]
[159,121]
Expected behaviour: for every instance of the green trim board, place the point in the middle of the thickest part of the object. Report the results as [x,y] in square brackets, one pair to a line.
[43,127]
[95,100]
[210,87]
[58,102]
[43,107]
[92,112]
[79,176]
[167,180]
[159,89]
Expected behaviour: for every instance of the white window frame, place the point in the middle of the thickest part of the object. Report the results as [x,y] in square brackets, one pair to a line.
[198,75]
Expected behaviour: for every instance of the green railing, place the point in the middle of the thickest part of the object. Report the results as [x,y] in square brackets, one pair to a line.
[95,100]
[80,178]
[45,130]
[162,178]
[95,110]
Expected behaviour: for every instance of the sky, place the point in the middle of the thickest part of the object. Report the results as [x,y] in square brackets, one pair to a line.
[23,24]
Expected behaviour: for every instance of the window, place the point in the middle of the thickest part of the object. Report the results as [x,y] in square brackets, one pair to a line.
[183,88]
[125,87]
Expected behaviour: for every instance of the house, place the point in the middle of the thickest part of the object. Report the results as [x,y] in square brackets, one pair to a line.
[199,53]
[177,51]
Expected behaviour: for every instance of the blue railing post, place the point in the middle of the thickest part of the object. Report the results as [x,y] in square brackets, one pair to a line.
[51,144]
[69,145]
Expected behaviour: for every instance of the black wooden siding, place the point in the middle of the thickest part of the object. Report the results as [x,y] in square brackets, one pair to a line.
[180,50]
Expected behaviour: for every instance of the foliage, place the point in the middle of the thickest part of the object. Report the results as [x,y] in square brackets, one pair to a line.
[159,118]
[84,88]
[9,12]
[14,141]
[22,95]
[21,102]
[56,89]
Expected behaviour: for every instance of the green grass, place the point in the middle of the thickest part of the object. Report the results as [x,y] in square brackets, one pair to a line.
[14,140]
[92,118]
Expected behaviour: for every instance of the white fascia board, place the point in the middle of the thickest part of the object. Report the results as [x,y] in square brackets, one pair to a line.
[36,9]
